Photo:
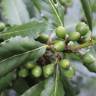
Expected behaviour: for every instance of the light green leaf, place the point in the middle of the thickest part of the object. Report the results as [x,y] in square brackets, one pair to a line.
[32,29]
[17,51]
[87,10]
[35,90]
[15,12]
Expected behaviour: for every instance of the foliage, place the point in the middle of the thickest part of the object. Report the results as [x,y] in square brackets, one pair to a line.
[39,43]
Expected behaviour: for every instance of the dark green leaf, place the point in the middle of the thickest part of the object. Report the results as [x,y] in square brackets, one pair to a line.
[6,80]
[87,10]
[20,86]
[32,29]
[15,12]
[35,90]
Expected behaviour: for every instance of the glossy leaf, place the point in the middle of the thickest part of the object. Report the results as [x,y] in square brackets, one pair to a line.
[18,51]
[32,29]
[87,11]
[15,12]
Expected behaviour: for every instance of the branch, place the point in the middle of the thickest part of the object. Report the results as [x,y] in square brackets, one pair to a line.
[84,45]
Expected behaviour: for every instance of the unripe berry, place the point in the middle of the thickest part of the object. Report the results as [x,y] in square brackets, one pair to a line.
[37,71]
[88,58]
[65,63]
[48,70]
[82,28]
[60,32]
[2,26]
[74,36]
[43,38]
[23,73]
[59,46]
[69,73]
[30,65]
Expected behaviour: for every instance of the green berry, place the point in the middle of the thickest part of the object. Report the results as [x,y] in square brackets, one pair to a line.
[69,73]
[37,71]
[48,70]
[74,36]
[65,63]
[23,73]
[2,26]
[82,28]
[60,32]
[43,38]
[59,46]
[88,58]
[30,65]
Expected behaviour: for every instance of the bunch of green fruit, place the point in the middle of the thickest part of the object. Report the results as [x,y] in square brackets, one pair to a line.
[36,70]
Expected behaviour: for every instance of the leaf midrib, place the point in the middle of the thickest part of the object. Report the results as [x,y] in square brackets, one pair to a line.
[22,53]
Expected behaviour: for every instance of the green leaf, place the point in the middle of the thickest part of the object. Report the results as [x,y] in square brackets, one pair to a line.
[53,86]
[87,10]
[30,7]
[32,29]
[15,12]
[17,51]
[35,90]
[45,10]
[6,80]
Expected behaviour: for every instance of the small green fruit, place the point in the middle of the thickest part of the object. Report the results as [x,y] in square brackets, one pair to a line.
[23,73]
[43,38]
[74,36]
[69,73]
[88,58]
[60,32]
[48,70]
[59,46]
[30,65]
[37,71]
[2,26]
[65,63]
[82,28]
